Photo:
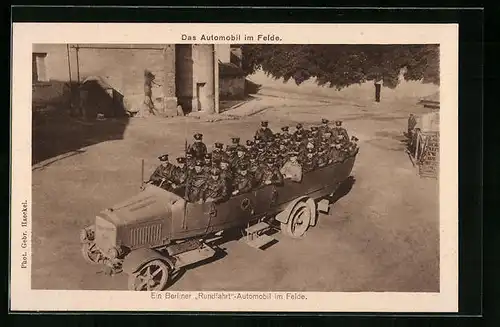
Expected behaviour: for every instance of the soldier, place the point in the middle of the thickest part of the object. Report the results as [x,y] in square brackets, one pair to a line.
[285,130]
[250,144]
[309,161]
[235,143]
[215,188]
[326,137]
[190,160]
[225,171]
[243,180]
[292,168]
[340,131]
[207,164]
[180,173]
[162,176]
[218,152]
[261,152]
[240,158]
[198,149]
[196,182]
[321,157]
[324,128]
[257,139]
[277,137]
[269,174]
[353,145]
[314,133]
[334,154]
[299,131]
[253,165]
[264,132]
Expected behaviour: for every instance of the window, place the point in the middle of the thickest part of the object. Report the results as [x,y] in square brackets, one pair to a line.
[39,70]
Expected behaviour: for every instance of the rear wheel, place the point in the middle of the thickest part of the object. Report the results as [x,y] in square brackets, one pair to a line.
[153,276]
[298,221]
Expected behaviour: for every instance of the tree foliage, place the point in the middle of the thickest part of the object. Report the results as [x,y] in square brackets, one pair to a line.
[339,65]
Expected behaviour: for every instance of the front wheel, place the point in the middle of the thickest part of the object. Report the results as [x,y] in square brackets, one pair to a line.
[298,221]
[153,276]
[91,253]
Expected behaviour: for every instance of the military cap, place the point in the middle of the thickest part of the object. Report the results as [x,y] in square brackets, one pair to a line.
[218,145]
[235,140]
[215,171]
[325,121]
[249,143]
[277,134]
[198,136]
[354,138]
[299,126]
[284,128]
[338,123]
[264,123]
[241,148]
[181,160]
[208,156]
[163,157]
[314,128]
[198,163]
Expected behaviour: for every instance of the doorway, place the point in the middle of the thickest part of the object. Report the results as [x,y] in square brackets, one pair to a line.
[200,95]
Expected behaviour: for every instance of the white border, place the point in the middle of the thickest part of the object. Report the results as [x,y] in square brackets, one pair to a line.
[25,34]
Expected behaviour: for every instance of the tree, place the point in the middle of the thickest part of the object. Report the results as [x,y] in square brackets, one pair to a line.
[339,65]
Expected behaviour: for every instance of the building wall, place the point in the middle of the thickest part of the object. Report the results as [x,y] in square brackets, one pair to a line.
[232,87]
[223,52]
[195,77]
[109,61]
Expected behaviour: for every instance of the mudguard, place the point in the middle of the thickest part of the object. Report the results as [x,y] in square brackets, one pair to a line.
[285,214]
[136,259]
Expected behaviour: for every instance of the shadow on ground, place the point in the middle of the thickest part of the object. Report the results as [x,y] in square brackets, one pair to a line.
[57,134]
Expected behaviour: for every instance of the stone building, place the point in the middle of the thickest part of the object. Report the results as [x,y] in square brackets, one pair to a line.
[184,74]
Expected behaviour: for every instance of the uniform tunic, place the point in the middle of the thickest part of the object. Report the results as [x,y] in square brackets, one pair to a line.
[198,150]
[195,186]
[292,170]
[238,161]
[270,174]
[219,155]
[341,131]
[265,134]
[243,184]
[215,189]
[163,172]
[309,164]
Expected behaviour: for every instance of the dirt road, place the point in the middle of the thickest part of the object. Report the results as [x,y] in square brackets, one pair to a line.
[382,236]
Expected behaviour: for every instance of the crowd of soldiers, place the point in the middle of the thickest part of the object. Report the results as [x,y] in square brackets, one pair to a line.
[269,158]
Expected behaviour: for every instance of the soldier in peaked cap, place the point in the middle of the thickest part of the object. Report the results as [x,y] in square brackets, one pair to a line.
[163,174]
[180,173]
[240,157]
[340,132]
[231,150]
[292,168]
[264,132]
[321,157]
[324,128]
[218,153]
[207,163]
[309,161]
[261,152]
[353,145]
[243,180]
[299,130]
[270,174]
[215,188]
[334,153]
[285,131]
[198,149]
[225,171]
[196,182]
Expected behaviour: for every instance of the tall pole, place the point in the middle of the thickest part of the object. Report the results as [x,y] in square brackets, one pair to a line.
[77,65]
[71,91]
[216,80]
[69,63]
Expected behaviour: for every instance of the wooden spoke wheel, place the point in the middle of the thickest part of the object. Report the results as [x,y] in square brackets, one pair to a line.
[153,276]
[298,221]
[91,253]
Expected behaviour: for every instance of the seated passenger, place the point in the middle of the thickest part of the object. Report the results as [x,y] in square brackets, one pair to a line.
[334,154]
[309,162]
[321,157]
[243,180]
[269,174]
[198,149]
[163,175]
[218,152]
[339,130]
[292,168]
[196,182]
[264,132]
[179,173]
[225,171]
[207,164]
[240,158]
[215,188]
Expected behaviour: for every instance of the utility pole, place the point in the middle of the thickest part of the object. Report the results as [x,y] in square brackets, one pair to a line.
[216,79]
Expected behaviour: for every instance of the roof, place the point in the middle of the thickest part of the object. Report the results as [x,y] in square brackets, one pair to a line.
[432,100]
[229,69]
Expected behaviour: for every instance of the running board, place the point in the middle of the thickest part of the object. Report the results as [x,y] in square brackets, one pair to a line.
[193,256]
[255,237]
[259,241]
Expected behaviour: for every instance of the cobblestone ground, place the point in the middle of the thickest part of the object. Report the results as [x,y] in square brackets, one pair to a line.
[382,236]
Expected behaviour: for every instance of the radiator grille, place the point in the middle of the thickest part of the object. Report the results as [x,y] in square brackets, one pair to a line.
[150,234]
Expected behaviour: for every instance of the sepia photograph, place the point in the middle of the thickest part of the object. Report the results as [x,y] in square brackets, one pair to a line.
[236,167]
